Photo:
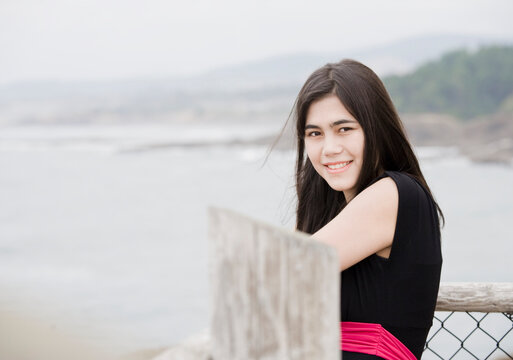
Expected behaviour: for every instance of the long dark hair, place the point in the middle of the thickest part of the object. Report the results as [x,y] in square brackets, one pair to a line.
[386,145]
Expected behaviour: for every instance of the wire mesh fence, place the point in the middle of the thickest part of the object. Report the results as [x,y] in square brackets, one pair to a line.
[470,335]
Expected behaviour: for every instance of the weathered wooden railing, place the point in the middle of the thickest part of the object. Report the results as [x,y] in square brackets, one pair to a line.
[473,321]
[275,295]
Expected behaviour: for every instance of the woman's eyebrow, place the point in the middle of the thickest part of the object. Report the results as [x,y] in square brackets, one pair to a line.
[335,123]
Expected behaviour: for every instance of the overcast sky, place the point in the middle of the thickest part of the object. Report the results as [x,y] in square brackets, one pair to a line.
[103,39]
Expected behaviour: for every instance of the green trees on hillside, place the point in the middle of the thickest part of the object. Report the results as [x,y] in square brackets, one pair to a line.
[464,84]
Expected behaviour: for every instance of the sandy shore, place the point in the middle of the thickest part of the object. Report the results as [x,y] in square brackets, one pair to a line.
[25,336]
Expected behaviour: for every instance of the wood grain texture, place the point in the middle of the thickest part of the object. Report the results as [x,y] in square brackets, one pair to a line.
[274,294]
[481,297]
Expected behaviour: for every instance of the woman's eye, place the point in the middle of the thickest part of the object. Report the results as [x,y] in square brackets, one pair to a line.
[344,129]
[313,133]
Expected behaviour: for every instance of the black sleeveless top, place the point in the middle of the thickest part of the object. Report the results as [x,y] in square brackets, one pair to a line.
[399,292]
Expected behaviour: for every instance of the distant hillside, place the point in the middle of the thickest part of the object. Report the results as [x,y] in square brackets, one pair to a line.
[398,57]
[462,83]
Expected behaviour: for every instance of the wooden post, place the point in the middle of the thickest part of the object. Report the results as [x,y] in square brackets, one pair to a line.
[274,294]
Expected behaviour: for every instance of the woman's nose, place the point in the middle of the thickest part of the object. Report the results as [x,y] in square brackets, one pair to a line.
[332,146]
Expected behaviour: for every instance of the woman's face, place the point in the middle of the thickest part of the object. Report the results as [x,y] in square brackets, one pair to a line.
[334,143]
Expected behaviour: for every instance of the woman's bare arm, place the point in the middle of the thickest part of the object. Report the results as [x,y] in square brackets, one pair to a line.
[365,226]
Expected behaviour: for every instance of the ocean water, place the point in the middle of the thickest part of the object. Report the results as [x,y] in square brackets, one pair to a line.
[105,233]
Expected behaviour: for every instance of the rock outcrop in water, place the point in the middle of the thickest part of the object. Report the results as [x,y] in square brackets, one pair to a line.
[485,139]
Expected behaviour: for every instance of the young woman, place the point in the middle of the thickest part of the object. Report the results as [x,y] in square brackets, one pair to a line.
[360,189]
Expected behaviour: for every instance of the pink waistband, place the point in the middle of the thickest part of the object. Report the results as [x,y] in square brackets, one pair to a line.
[372,339]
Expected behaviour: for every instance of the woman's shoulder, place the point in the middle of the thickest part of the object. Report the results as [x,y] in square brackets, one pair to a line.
[397,176]
[415,203]
[417,232]
[408,186]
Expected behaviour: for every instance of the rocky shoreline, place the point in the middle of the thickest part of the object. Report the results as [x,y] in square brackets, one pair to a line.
[483,140]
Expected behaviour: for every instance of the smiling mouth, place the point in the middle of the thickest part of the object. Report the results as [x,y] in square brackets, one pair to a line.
[339,165]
